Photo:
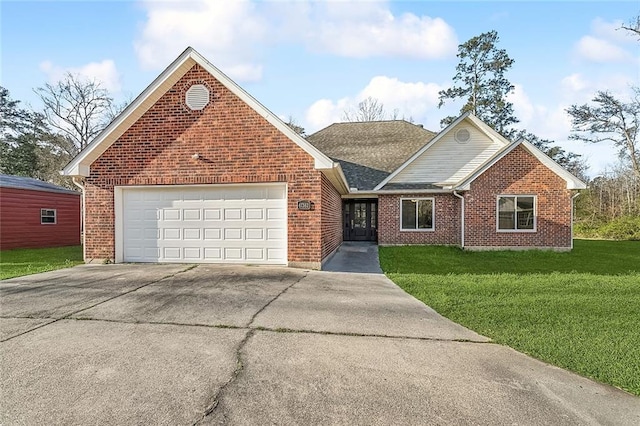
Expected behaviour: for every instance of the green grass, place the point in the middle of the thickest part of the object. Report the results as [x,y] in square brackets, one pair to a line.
[578,310]
[18,262]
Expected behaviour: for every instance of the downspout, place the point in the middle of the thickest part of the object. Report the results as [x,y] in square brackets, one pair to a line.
[572,214]
[462,218]
[80,185]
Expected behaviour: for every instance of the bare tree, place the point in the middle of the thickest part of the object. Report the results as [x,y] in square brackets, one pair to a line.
[633,26]
[370,109]
[77,108]
[610,119]
[293,123]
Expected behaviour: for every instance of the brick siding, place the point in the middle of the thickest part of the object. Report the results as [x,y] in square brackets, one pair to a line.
[331,218]
[446,229]
[235,145]
[519,172]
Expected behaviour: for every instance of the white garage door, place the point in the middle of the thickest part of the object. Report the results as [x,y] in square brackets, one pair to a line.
[205,224]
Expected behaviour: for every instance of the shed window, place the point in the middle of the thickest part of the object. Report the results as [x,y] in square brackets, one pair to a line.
[516,213]
[416,214]
[47,216]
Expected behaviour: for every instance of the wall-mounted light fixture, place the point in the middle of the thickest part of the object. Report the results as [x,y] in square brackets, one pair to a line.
[195,156]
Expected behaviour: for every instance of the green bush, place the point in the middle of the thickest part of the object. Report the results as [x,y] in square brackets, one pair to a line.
[623,228]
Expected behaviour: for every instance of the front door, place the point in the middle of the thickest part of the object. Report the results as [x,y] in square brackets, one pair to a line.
[361,220]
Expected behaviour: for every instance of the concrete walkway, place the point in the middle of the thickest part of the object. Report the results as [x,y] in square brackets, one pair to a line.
[355,256]
[185,345]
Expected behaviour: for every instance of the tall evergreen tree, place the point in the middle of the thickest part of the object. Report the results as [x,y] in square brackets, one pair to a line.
[480,81]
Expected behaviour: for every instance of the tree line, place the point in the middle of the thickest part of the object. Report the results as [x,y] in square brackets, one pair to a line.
[481,84]
[39,144]
[75,110]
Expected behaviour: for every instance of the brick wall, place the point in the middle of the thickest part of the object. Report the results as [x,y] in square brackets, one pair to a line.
[446,227]
[331,218]
[235,144]
[519,172]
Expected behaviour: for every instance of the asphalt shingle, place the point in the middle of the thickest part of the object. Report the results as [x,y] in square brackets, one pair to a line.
[369,151]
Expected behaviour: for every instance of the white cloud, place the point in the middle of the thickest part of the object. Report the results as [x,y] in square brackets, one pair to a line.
[408,99]
[554,123]
[324,112]
[600,50]
[228,33]
[369,29]
[612,31]
[575,83]
[234,34]
[104,72]
[605,43]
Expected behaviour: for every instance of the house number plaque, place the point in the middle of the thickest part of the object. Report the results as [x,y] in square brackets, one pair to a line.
[304,205]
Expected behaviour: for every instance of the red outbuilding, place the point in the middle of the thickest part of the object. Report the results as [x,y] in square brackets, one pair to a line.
[36,214]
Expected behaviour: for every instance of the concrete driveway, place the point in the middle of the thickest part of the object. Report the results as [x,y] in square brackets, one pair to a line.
[176,344]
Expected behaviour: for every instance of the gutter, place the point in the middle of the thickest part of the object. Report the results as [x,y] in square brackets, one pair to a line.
[400,192]
[577,194]
[80,185]
[462,219]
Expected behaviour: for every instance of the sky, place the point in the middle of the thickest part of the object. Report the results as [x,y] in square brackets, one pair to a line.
[312,60]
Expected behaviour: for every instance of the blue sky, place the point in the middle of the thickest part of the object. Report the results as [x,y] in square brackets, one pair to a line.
[313,59]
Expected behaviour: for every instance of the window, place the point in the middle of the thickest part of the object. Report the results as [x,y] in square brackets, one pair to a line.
[47,216]
[516,213]
[416,214]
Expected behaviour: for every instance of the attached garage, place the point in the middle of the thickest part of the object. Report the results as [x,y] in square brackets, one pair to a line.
[195,170]
[202,224]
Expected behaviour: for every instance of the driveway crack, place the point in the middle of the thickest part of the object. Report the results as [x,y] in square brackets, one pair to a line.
[239,363]
[259,311]
[234,376]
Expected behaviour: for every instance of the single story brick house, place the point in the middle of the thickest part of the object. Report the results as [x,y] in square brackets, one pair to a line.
[197,170]
[35,214]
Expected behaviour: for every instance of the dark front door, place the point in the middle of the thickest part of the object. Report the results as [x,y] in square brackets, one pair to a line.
[361,220]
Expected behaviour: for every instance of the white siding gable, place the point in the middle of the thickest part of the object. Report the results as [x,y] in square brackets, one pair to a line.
[448,161]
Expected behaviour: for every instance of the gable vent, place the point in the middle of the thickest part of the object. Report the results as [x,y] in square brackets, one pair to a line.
[462,135]
[197,97]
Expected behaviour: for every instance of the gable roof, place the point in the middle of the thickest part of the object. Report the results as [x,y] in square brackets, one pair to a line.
[79,166]
[492,134]
[572,181]
[507,146]
[368,151]
[21,182]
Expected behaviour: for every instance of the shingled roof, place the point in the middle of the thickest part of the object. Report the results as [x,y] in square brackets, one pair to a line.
[21,182]
[369,151]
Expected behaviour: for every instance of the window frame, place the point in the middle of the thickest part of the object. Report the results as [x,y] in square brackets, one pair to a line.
[433,214]
[516,196]
[43,214]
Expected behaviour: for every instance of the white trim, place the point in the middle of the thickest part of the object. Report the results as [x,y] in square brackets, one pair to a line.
[572,181]
[433,214]
[83,216]
[79,166]
[516,230]
[461,218]
[396,192]
[492,134]
[573,207]
[55,216]
[118,231]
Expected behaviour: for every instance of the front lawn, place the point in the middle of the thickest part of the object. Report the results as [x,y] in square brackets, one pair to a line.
[18,262]
[578,310]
